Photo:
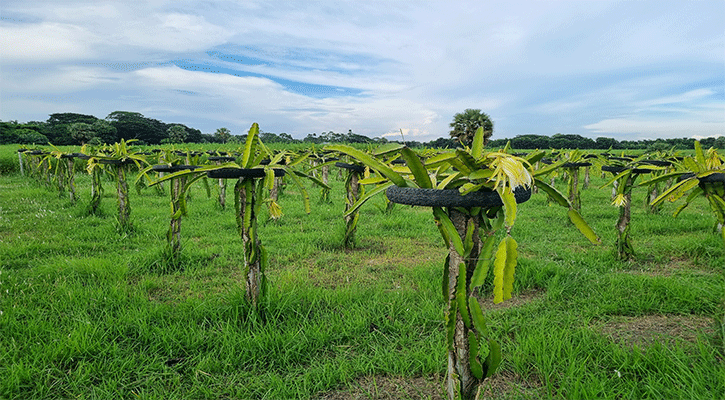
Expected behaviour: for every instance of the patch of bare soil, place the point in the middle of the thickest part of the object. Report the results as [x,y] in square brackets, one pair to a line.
[675,266]
[390,388]
[509,385]
[370,246]
[373,263]
[516,300]
[646,330]
[503,385]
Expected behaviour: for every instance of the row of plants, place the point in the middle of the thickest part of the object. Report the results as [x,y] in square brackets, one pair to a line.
[473,195]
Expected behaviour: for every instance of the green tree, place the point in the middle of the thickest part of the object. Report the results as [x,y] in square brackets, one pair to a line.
[658,145]
[269,137]
[465,124]
[223,135]
[442,143]
[193,135]
[312,138]
[530,141]
[81,132]
[96,133]
[14,132]
[604,143]
[355,138]
[58,124]
[287,138]
[133,125]
[104,131]
[29,136]
[177,134]
[562,141]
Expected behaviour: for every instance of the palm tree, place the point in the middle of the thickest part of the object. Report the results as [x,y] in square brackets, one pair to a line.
[223,134]
[465,124]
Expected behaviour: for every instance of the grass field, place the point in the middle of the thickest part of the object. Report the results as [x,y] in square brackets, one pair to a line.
[86,312]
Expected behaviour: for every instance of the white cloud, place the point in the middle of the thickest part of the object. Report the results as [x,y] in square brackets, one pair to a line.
[249,99]
[66,79]
[172,32]
[704,124]
[692,113]
[108,31]
[80,13]
[43,42]
[686,97]
[65,11]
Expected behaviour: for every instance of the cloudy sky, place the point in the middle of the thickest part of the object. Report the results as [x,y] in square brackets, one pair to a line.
[623,69]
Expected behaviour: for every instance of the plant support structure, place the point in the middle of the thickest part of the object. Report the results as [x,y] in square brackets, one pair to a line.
[473,195]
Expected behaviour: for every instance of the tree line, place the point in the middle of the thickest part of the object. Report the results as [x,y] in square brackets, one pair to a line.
[78,129]
[570,141]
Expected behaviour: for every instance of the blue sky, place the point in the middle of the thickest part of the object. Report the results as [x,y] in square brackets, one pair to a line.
[624,69]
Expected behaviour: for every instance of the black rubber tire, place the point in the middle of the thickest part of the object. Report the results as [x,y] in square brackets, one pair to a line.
[172,168]
[614,169]
[266,161]
[222,158]
[656,163]
[576,164]
[126,161]
[323,158]
[716,177]
[451,197]
[234,173]
[351,167]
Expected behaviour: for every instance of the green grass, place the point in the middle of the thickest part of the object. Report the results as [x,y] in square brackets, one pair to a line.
[90,313]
